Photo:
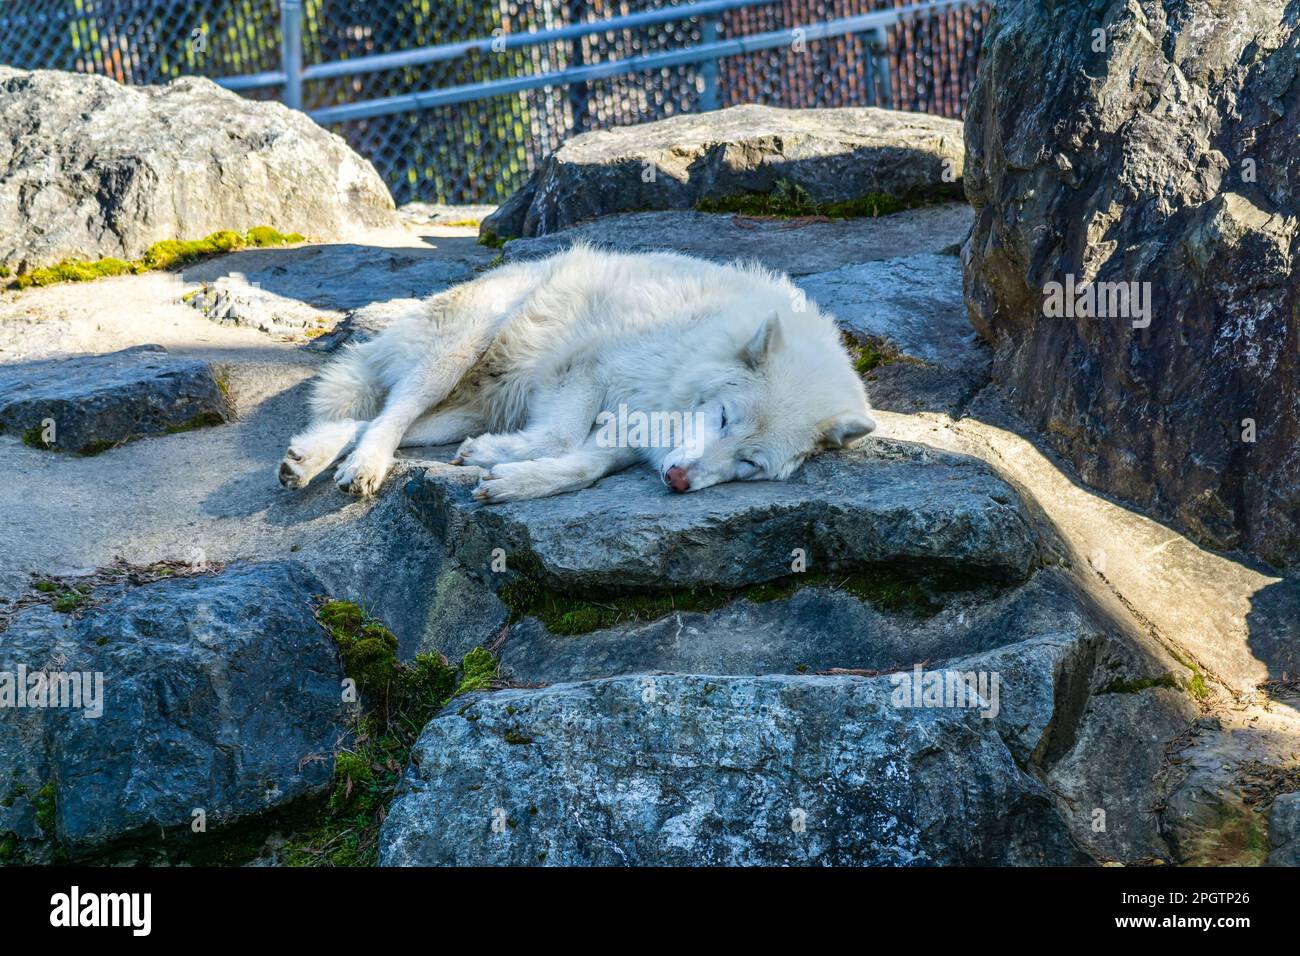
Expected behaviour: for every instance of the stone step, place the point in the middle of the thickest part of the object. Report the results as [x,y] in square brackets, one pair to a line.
[732,770]
[99,401]
[816,628]
[883,503]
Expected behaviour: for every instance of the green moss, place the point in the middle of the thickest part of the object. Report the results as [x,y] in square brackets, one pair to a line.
[46,587]
[1138,684]
[398,700]
[514,737]
[97,447]
[167,254]
[478,670]
[201,420]
[4,272]
[492,240]
[890,589]
[790,200]
[1196,684]
[70,600]
[34,437]
[566,614]
[73,271]
[45,807]
[1197,687]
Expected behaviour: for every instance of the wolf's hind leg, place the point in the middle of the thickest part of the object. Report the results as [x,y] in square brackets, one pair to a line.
[559,421]
[423,388]
[543,477]
[312,451]
[442,428]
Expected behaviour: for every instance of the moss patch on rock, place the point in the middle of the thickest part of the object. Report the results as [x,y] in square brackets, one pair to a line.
[789,200]
[889,589]
[396,700]
[168,254]
[1135,685]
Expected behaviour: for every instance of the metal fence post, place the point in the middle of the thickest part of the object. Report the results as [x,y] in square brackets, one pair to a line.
[880,51]
[291,51]
[709,69]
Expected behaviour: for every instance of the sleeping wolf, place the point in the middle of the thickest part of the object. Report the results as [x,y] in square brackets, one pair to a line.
[547,372]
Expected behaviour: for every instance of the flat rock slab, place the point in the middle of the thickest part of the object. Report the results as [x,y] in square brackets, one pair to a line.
[912,305]
[92,168]
[814,629]
[699,770]
[885,502]
[307,291]
[912,309]
[440,214]
[796,247]
[833,154]
[103,400]
[219,692]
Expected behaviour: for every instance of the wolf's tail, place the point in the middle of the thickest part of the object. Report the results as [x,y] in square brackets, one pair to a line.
[348,387]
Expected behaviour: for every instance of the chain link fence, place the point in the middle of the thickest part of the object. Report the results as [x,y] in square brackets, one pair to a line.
[480,151]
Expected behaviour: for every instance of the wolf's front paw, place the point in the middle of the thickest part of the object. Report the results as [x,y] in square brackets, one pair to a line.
[362,473]
[514,481]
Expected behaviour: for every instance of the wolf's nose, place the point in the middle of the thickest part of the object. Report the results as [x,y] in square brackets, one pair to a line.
[677,480]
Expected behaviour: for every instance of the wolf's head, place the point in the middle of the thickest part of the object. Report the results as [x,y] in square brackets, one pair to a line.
[760,412]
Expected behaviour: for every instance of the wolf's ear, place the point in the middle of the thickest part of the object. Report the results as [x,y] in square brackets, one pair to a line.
[766,340]
[846,429]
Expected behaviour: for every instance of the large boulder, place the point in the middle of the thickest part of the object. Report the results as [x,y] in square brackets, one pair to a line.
[90,168]
[834,155]
[214,693]
[1134,142]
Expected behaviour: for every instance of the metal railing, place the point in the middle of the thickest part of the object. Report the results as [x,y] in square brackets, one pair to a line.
[457,100]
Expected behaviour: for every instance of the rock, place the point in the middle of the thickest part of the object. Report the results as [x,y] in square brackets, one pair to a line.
[794,247]
[220,693]
[833,154]
[1164,160]
[1107,769]
[99,401]
[882,503]
[814,629]
[346,291]
[911,310]
[438,214]
[91,168]
[701,770]
[1284,830]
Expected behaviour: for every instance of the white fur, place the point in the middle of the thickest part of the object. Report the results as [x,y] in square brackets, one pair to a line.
[521,361]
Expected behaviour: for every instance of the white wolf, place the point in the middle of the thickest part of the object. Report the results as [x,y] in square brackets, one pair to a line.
[524,364]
